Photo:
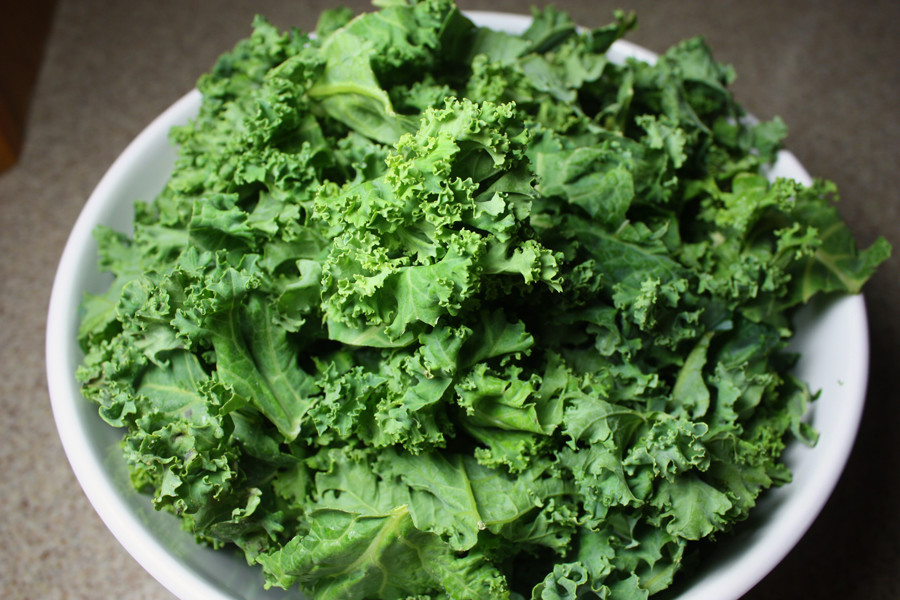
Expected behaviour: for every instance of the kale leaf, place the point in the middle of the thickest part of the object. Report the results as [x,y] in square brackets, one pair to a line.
[429,310]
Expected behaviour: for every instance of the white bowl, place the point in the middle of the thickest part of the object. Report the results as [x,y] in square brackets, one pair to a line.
[832,339]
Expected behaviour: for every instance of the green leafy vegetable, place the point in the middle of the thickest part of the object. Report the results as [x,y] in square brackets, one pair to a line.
[431,311]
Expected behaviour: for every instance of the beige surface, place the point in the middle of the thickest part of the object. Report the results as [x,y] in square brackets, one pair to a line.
[828,68]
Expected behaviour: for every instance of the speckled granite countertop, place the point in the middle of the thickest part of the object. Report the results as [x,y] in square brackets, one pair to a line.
[827,67]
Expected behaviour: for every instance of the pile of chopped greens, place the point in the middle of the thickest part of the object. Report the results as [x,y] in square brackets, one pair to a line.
[427,310]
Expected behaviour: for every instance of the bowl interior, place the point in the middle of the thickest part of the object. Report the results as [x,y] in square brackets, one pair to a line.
[832,339]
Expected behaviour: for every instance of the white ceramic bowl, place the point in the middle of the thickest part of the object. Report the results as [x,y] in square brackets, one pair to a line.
[833,340]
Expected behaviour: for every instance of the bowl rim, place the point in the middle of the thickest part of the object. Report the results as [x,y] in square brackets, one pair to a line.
[158,560]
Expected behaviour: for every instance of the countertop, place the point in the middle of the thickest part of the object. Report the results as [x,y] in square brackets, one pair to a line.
[828,68]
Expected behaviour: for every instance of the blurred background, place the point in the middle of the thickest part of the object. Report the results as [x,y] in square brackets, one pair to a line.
[80,78]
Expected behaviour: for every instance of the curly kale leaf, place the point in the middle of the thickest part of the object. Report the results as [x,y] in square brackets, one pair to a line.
[427,310]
